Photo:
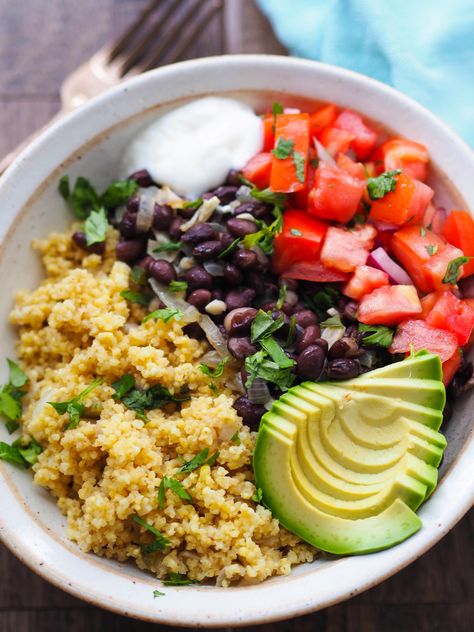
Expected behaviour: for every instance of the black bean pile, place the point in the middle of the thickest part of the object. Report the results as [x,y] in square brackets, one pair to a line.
[244,285]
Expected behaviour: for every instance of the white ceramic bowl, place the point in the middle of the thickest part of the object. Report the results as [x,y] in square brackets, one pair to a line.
[89,142]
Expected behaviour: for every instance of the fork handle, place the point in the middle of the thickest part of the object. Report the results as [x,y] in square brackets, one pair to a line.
[10,157]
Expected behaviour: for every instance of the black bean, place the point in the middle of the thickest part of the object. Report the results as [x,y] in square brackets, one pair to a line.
[254,208]
[291,284]
[250,413]
[162,217]
[145,262]
[461,377]
[323,344]
[128,225]
[309,336]
[269,306]
[174,229]
[245,259]
[133,204]
[81,240]
[241,321]
[162,271]
[240,227]
[208,195]
[142,177]
[197,277]
[345,347]
[299,307]
[306,318]
[241,347]
[310,363]
[200,298]
[233,178]
[241,297]
[343,369]
[217,294]
[350,310]
[186,213]
[130,250]
[226,239]
[198,233]
[226,193]
[232,274]
[255,281]
[193,330]
[207,250]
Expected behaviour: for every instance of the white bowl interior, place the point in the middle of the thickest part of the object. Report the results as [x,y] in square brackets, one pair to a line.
[90,143]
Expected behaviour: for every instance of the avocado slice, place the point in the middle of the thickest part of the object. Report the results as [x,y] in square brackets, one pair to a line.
[345,465]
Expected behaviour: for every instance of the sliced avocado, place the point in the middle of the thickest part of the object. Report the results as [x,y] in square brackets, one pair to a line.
[345,465]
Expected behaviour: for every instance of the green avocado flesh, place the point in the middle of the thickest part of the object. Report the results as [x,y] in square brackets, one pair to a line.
[345,465]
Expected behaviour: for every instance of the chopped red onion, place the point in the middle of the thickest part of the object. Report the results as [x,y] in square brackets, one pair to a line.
[379,259]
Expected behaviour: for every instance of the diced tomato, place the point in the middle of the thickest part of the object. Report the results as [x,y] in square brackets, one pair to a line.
[336,140]
[459,231]
[398,153]
[417,335]
[450,367]
[354,169]
[314,271]
[258,169]
[343,250]
[436,267]
[389,305]
[336,194]
[364,137]
[365,234]
[407,203]
[427,303]
[412,246]
[268,122]
[364,280]
[300,198]
[324,117]
[452,314]
[301,239]
[285,177]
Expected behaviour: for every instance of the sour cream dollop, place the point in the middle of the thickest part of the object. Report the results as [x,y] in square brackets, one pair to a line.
[192,148]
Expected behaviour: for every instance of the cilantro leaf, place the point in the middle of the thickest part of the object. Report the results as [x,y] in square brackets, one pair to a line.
[177,286]
[169,246]
[258,365]
[10,406]
[19,454]
[82,199]
[299,162]
[283,148]
[281,296]
[265,236]
[176,487]
[202,458]
[385,183]
[267,196]
[235,438]
[158,593]
[276,353]
[217,372]
[161,542]
[138,275]
[118,192]
[135,297]
[322,300]
[277,108]
[17,377]
[123,385]
[75,407]
[229,248]
[95,227]
[194,204]
[453,269]
[257,497]
[165,314]
[11,454]
[140,400]
[332,322]
[376,335]
[431,249]
[175,579]
[264,325]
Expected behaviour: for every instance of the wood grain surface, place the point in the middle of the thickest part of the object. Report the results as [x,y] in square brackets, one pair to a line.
[41,41]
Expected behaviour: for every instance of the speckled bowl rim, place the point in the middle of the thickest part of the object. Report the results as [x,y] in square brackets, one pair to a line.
[199,605]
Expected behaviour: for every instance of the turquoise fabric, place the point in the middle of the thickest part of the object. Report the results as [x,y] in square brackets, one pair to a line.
[424,48]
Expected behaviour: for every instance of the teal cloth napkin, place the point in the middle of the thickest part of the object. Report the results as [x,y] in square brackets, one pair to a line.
[424,48]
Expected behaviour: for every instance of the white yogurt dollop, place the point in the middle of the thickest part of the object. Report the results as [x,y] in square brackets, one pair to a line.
[192,148]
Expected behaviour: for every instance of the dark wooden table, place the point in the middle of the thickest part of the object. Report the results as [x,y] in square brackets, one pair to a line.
[40,42]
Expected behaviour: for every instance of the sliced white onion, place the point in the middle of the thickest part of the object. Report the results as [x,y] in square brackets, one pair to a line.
[120,212]
[323,154]
[202,214]
[258,393]
[243,194]
[190,313]
[269,403]
[165,195]
[214,268]
[211,358]
[332,334]
[167,255]
[368,358]
[187,263]
[214,336]
[225,209]
[248,216]
[291,298]
[146,209]
[234,383]
[332,311]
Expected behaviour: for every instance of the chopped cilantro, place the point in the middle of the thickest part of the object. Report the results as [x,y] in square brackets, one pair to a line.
[169,246]
[235,438]
[165,314]
[11,395]
[422,231]
[283,148]
[202,458]
[259,365]
[158,593]
[229,248]
[178,286]
[264,325]
[431,249]
[175,579]
[385,183]
[176,487]
[123,385]
[95,227]
[193,204]
[291,331]
[160,542]
[265,236]
[217,372]
[135,297]
[281,296]
[299,162]
[257,497]
[140,400]
[75,407]
[138,275]
[452,271]
[213,388]
[19,454]
[17,377]
[83,198]
[118,192]
[332,322]
[276,353]
[376,335]
[277,108]
[320,302]
[267,196]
